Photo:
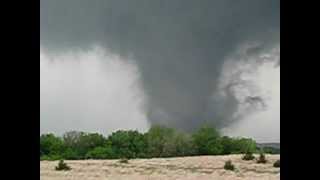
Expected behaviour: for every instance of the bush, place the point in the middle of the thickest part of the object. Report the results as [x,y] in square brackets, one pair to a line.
[277,164]
[70,154]
[262,158]
[51,157]
[271,150]
[101,153]
[62,166]
[124,160]
[229,166]
[44,158]
[248,156]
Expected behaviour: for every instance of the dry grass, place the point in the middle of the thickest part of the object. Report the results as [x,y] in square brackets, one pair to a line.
[188,168]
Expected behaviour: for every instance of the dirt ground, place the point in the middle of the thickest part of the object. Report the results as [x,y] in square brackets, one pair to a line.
[184,168]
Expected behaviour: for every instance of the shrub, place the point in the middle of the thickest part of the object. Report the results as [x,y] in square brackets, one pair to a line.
[51,157]
[70,154]
[62,166]
[229,166]
[248,156]
[277,164]
[262,158]
[271,150]
[44,158]
[55,157]
[101,153]
[124,160]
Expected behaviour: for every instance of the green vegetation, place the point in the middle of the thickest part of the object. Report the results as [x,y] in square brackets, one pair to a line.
[105,152]
[277,164]
[159,141]
[229,166]
[207,141]
[62,166]
[248,156]
[51,147]
[124,160]
[262,158]
[270,150]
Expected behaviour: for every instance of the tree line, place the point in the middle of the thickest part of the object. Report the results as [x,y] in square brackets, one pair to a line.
[159,141]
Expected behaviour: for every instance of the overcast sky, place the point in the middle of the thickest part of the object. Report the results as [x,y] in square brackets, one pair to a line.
[107,65]
[89,91]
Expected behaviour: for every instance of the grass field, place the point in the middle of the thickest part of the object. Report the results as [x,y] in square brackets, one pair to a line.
[184,168]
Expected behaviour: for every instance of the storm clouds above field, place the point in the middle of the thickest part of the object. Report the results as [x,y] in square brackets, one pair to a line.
[187,61]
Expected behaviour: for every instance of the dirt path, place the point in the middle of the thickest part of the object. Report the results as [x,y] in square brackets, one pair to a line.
[186,168]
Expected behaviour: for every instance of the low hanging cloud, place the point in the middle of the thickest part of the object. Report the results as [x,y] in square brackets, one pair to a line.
[179,47]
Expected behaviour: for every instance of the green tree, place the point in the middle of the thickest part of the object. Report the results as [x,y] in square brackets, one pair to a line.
[72,138]
[227,144]
[70,154]
[105,152]
[89,141]
[50,145]
[159,140]
[167,142]
[127,144]
[243,145]
[207,141]
[80,143]
[183,144]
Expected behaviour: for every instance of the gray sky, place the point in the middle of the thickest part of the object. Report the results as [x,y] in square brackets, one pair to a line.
[89,91]
[178,63]
[261,123]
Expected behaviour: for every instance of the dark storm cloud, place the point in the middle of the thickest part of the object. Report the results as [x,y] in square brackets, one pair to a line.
[179,46]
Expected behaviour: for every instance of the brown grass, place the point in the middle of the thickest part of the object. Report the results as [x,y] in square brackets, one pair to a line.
[198,168]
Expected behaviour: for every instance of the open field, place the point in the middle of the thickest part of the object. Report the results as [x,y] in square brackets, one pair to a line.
[199,167]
